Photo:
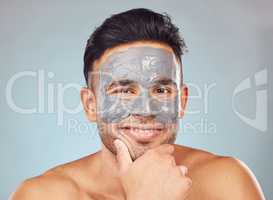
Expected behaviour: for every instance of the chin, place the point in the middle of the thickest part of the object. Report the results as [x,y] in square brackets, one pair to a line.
[139,144]
[139,149]
[137,139]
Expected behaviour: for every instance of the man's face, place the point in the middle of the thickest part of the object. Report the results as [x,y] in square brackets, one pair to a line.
[137,97]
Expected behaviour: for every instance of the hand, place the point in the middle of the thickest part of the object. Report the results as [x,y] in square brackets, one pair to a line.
[153,176]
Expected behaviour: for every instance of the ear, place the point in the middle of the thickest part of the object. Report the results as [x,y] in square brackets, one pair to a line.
[183,100]
[89,104]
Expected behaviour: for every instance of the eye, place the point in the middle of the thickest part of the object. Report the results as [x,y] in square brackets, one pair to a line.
[163,90]
[123,91]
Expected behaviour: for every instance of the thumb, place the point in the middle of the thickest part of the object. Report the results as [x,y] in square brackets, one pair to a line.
[123,156]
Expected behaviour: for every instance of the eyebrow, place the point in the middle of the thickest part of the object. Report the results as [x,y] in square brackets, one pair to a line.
[126,82]
[165,81]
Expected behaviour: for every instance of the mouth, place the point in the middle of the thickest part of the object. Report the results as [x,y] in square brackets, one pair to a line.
[142,133]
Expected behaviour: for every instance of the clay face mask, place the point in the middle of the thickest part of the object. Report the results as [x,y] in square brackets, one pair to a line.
[146,68]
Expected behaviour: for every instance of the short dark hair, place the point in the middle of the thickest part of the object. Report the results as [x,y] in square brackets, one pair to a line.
[138,24]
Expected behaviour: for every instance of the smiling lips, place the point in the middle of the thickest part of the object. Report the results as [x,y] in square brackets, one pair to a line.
[142,132]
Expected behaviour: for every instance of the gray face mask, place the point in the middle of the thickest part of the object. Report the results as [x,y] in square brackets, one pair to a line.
[145,67]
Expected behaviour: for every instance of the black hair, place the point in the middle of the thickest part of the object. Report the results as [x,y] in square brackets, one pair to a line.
[138,24]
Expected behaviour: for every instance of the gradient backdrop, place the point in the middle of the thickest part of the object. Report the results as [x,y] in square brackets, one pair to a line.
[228,69]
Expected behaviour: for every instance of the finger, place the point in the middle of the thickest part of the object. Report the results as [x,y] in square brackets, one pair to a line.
[123,156]
[187,182]
[165,148]
[169,159]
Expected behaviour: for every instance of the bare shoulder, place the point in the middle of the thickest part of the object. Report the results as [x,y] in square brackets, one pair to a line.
[192,157]
[221,177]
[232,178]
[47,186]
[60,182]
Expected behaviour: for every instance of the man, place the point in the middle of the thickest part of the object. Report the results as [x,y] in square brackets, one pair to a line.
[136,95]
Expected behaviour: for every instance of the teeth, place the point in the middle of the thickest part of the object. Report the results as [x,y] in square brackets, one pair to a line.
[142,134]
[147,132]
[144,127]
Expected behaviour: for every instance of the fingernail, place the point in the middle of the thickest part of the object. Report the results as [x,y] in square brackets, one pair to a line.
[184,170]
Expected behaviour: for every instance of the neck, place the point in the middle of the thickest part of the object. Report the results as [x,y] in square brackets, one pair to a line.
[108,175]
[108,163]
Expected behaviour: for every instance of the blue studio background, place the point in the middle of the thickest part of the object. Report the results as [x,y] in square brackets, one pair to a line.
[228,70]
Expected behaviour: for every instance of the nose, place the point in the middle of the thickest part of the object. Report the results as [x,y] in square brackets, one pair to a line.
[142,105]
